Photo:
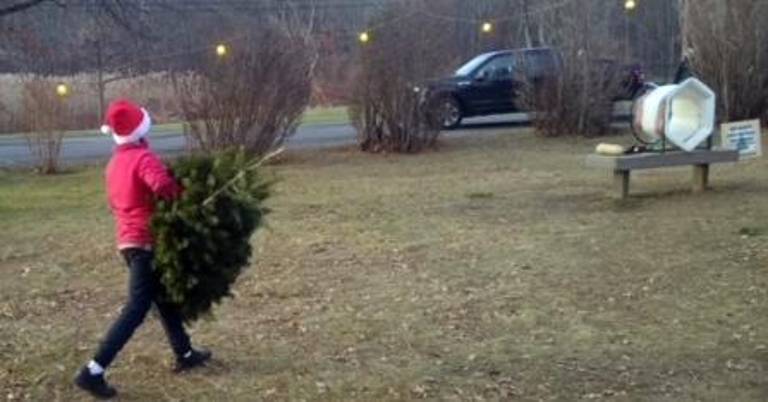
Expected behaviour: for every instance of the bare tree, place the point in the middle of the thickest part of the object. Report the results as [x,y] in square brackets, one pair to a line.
[100,36]
[726,44]
[20,6]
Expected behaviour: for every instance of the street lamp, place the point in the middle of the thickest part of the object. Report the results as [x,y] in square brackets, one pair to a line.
[487,27]
[364,37]
[221,50]
[62,90]
[630,5]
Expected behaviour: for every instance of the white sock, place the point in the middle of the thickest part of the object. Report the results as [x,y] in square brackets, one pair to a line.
[95,368]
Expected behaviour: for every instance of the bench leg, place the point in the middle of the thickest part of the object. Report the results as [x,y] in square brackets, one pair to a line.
[700,178]
[621,183]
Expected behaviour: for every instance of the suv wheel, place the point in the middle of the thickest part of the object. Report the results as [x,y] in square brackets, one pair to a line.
[449,112]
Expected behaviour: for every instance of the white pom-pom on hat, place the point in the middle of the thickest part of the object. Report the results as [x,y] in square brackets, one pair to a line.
[106,130]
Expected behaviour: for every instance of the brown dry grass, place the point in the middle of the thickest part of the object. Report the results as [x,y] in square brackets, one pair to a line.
[153,91]
[495,269]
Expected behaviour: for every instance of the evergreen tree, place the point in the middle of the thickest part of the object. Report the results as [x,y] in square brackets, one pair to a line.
[202,239]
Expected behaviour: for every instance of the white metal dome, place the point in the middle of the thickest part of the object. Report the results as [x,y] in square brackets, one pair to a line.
[683,113]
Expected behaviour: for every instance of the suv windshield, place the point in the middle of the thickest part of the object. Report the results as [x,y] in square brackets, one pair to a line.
[471,65]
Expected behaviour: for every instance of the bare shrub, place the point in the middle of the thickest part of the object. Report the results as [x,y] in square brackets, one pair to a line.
[6,118]
[579,99]
[253,97]
[387,108]
[44,115]
[726,44]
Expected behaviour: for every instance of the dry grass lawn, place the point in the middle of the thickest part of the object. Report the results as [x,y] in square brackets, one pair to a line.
[495,269]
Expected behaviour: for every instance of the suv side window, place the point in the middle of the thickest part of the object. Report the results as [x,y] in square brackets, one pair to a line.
[500,68]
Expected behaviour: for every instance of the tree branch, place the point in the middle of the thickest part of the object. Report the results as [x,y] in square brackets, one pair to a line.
[20,7]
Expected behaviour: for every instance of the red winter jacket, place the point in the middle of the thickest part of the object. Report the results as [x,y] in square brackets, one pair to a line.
[135,176]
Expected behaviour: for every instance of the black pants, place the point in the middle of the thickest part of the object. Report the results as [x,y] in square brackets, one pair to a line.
[143,290]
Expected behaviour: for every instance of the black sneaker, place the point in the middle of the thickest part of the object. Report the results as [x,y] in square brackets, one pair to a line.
[195,359]
[94,385]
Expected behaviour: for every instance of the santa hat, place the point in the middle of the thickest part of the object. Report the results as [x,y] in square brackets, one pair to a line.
[126,122]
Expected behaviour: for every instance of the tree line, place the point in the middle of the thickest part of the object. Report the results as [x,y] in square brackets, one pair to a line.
[310,50]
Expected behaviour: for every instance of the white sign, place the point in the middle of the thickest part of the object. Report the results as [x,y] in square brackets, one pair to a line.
[743,136]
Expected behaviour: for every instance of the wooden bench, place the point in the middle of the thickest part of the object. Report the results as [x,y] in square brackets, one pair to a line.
[624,164]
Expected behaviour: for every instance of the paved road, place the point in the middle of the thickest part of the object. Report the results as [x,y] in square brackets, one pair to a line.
[14,152]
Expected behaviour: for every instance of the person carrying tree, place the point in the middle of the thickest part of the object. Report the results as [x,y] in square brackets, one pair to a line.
[135,178]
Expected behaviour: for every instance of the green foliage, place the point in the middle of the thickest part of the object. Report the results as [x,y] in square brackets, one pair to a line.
[203,238]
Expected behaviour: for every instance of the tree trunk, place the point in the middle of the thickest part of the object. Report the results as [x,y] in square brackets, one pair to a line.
[527,23]
[684,28]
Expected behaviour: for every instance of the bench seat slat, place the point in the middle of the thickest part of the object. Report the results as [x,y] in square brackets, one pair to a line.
[659,160]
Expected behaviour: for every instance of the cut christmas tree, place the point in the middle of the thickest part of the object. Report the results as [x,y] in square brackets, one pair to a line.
[202,239]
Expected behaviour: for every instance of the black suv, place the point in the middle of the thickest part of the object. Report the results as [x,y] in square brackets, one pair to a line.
[489,83]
